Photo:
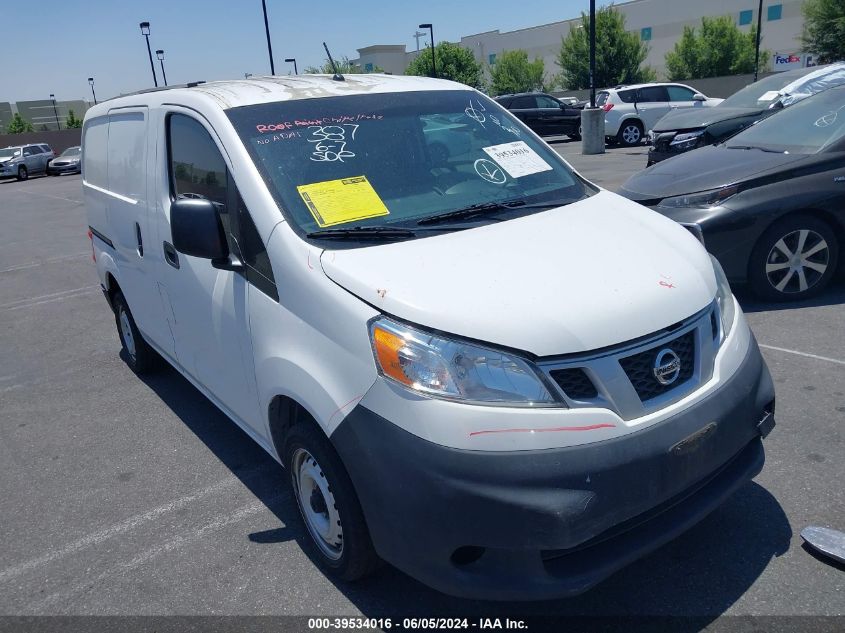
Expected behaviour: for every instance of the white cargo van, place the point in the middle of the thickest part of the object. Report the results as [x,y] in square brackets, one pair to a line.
[474,364]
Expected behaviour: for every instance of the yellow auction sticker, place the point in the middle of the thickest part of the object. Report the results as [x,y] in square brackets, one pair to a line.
[340,201]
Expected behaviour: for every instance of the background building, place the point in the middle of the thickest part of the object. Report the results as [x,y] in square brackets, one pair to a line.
[41,114]
[660,23]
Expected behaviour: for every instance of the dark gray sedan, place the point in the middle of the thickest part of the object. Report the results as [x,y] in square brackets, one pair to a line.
[770,202]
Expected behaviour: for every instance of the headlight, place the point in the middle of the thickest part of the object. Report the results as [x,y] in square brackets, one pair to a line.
[687,140]
[703,199]
[455,370]
[724,299]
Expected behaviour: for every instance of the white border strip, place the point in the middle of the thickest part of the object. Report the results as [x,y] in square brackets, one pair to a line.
[804,354]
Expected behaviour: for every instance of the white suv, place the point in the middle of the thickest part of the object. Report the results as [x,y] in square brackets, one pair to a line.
[631,111]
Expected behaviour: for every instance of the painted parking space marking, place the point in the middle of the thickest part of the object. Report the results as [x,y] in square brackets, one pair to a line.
[804,354]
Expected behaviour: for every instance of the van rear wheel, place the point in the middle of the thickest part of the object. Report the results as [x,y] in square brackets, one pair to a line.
[138,354]
[329,505]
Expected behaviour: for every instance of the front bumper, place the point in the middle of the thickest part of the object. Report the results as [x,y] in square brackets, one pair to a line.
[8,171]
[550,523]
[63,169]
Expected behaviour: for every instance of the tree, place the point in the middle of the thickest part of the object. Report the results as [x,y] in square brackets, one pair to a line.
[453,62]
[72,121]
[718,49]
[344,67]
[619,54]
[824,29]
[18,124]
[512,72]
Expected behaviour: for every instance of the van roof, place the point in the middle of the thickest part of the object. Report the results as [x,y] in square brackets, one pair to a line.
[235,93]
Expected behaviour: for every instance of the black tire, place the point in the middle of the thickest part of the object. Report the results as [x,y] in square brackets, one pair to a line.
[23,173]
[632,131]
[774,276]
[356,557]
[140,357]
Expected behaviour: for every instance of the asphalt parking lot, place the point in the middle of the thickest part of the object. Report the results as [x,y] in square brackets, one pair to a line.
[130,496]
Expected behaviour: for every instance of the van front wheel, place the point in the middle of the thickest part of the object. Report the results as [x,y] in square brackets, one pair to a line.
[140,357]
[329,506]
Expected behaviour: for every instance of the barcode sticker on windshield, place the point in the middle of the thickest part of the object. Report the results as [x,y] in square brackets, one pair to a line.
[517,158]
[340,201]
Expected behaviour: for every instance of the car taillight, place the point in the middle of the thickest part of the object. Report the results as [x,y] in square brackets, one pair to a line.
[607,107]
[93,252]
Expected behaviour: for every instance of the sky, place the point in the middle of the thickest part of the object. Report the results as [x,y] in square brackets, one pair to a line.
[61,44]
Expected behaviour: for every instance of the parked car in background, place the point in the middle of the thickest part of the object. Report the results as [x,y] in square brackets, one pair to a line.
[630,111]
[68,162]
[679,132]
[545,114]
[770,202]
[19,161]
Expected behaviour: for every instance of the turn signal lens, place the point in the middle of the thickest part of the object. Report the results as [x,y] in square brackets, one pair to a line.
[387,346]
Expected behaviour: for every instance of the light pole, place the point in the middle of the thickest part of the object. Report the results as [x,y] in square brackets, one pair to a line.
[247,75]
[55,111]
[593,53]
[145,31]
[160,55]
[417,37]
[592,118]
[267,31]
[91,83]
[292,60]
[759,34]
[431,32]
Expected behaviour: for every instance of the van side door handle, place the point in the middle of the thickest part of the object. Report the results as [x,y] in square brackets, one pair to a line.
[140,239]
[171,255]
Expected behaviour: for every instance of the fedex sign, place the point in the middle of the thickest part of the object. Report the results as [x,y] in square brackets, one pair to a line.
[787,61]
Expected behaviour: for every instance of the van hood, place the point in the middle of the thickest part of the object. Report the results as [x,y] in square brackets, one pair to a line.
[691,118]
[595,273]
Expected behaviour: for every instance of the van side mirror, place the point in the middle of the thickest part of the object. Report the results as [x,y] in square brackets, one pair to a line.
[197,230]
[699,97]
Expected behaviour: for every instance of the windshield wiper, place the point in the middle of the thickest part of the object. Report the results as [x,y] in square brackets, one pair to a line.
[762,149]
[364,232]
[488,207]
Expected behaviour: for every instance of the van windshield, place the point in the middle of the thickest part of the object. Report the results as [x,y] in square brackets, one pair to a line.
[396,159]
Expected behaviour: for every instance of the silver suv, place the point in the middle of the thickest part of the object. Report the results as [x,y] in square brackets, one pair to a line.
[20,161]
[632,111]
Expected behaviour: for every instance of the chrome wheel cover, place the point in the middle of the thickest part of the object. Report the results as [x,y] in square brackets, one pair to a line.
[126,333]
[797,261]
[631,134]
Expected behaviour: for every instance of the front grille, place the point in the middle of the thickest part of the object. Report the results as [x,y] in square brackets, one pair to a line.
[575,383]
[640,367]
[59,164]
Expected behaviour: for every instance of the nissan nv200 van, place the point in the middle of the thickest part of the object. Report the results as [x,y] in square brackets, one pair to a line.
[473,363]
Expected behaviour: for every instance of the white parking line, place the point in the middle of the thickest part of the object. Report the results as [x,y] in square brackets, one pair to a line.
[52,260]
[804,354]
[55,296]
[123,526]
[47,195]
[147,555]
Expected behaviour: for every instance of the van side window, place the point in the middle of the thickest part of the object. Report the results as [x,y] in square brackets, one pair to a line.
[254,253]
[197,170]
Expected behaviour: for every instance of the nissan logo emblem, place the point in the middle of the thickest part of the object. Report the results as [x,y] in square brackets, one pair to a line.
[667,367]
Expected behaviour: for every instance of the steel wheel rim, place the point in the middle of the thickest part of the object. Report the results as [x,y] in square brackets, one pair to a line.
[317,504]
[126,333]
[797,261]
[631,134]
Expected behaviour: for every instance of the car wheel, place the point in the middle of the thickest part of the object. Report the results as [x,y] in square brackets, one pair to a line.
[577,136]
[329,505]
[630,134]
[140,357]
[23,174]
[794,259]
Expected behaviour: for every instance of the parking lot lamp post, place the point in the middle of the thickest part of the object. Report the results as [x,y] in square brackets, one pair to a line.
[91,83]
[292,60]
[145,31]
[55,112]
[759,35]
[160,55]
[593,53]
[431,32]
[267,31]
